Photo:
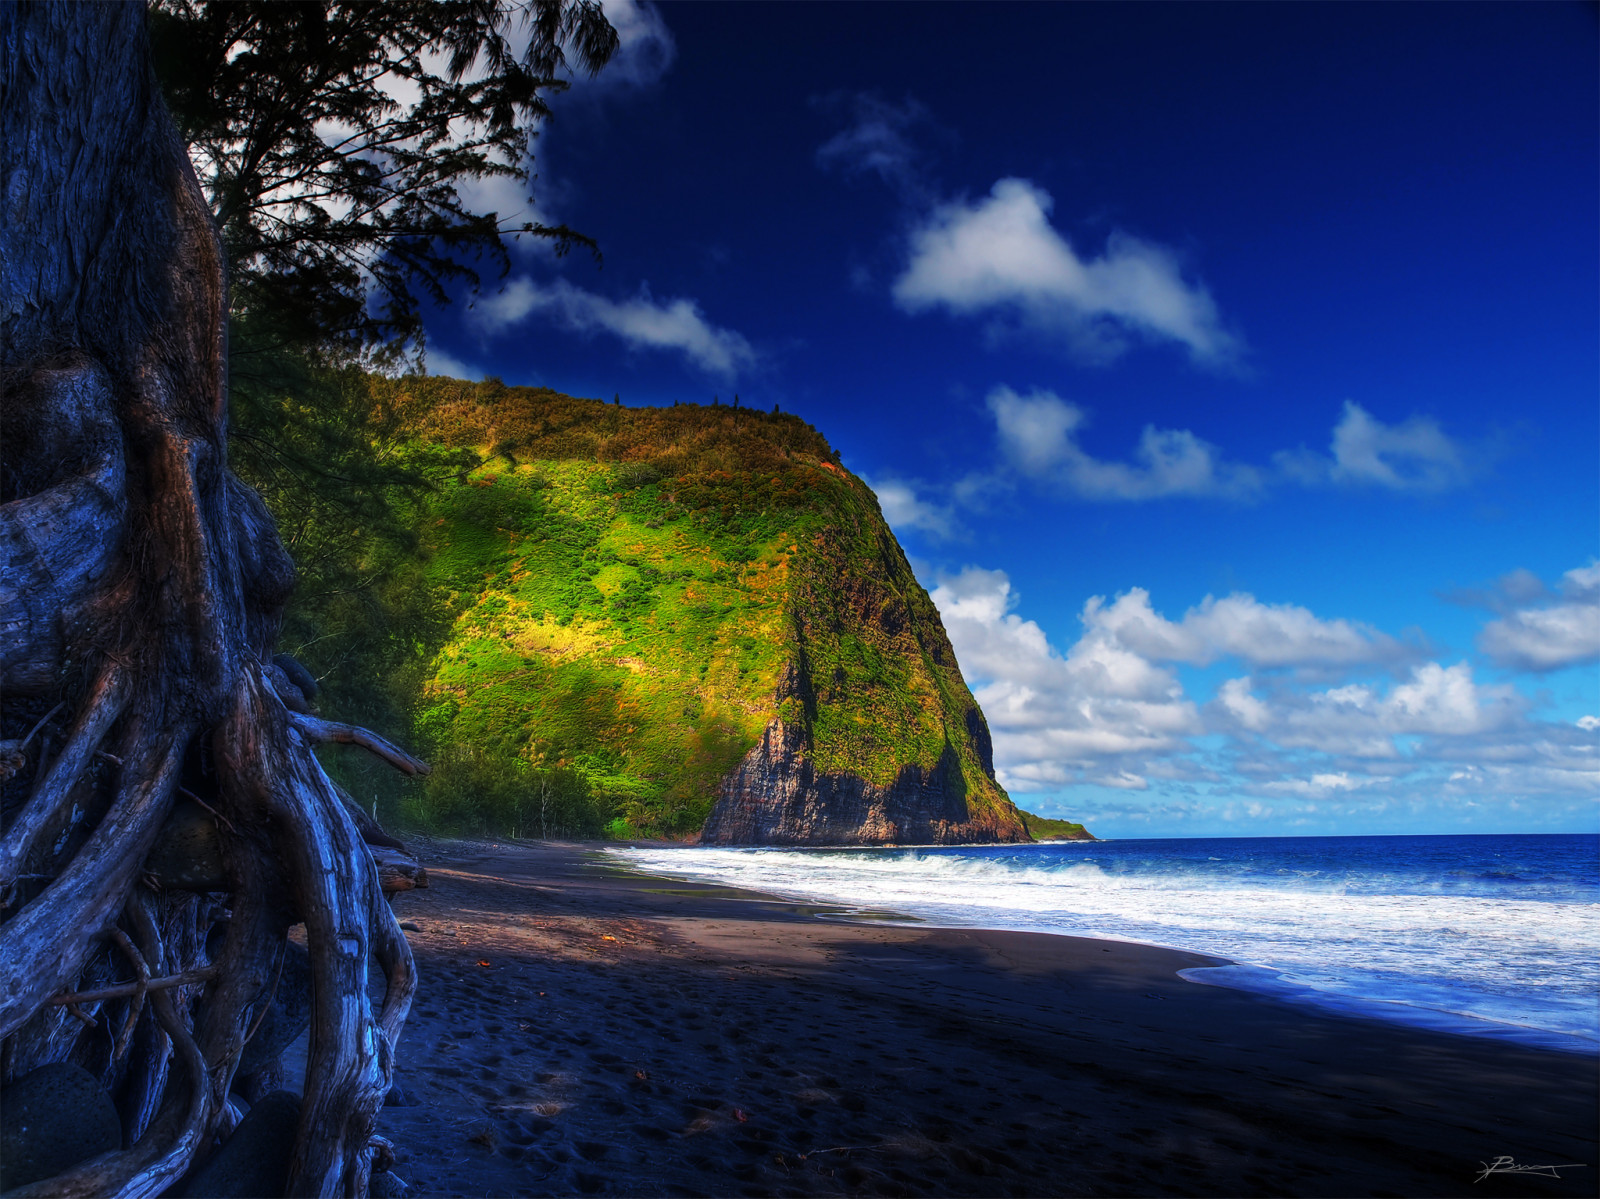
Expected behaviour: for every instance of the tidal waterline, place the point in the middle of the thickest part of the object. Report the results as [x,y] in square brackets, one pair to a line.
[1497,935]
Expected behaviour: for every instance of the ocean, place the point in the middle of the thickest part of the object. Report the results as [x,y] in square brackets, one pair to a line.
[1486,935]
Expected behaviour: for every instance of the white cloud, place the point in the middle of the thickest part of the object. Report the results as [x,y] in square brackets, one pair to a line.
[1414,455]
[904,509]
[1111,711]
[1362,721]
[1001,256]
[1540,636]
[1239,625]
[1056,718]
[441,363]
[645,47]
[1582,584]
[1318,786]
[642,322]
[1038,435]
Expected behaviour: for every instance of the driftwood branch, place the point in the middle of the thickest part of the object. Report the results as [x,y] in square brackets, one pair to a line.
[324,731]
[141,989]
[200,974]
[397,871]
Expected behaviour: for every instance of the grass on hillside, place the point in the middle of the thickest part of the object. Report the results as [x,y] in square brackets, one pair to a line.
[630,587]
[1043,828]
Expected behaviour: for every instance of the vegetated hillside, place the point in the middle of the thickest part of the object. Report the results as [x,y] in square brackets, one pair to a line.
[1042,828]
[689,608]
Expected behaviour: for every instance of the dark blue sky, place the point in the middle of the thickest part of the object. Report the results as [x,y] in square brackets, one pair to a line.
[1289,306]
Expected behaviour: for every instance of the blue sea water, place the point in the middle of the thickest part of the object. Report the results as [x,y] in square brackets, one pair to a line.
[1493,935]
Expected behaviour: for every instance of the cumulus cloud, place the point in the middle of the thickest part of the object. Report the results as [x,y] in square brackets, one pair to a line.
[1241,626]
[1058,719]
[1038,435]
[1112,712]
[1414,455]
[1363,721]
[1001,257]
[1542,630]
[642,322]
[904,509]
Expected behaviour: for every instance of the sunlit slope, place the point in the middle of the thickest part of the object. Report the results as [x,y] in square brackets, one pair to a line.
[645,595]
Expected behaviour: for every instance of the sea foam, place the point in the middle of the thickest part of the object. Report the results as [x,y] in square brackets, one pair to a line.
[1496,936]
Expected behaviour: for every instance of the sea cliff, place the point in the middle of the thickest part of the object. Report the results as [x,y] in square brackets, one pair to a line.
[700,612]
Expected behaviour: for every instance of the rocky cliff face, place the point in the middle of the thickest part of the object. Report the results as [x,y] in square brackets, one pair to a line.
[877,739]
[777,796]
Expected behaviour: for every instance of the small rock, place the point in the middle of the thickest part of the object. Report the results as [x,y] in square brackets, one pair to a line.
[254,1161]
[388,1185]
[50,1120]
[398,1098]
[410,927]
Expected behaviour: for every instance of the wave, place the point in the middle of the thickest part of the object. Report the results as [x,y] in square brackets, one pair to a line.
[1518,952]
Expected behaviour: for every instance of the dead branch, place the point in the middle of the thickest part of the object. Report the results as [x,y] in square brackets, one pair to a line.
[200,974]
[324,731]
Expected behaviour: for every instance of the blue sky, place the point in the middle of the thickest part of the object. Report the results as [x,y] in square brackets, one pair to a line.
[1228,372]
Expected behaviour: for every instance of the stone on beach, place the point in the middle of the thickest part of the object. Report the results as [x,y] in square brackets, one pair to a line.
[50,1120]
[254,1161]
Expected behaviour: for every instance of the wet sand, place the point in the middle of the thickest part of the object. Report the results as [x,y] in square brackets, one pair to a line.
[584,1030]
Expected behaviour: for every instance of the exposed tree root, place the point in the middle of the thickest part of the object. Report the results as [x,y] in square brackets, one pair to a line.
[141,586]
[42,814]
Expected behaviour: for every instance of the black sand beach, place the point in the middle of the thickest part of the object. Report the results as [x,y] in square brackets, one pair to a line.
[584,1030]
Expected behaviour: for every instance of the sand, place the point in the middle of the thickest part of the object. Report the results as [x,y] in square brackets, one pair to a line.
[580,1029]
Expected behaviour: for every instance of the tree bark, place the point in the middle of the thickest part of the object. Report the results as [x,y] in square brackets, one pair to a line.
[143,584]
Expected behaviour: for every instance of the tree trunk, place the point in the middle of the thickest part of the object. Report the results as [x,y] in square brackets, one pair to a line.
[141,587]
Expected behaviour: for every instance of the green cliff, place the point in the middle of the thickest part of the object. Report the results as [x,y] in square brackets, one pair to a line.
[698,614]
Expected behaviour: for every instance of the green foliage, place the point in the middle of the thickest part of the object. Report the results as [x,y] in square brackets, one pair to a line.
[1043,828]
[346,483]
[535,589]
[478,791]
[632,593]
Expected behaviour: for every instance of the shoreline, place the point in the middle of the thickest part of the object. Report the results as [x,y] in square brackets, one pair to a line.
[1236,972]
[1276,981]
[586,1027]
